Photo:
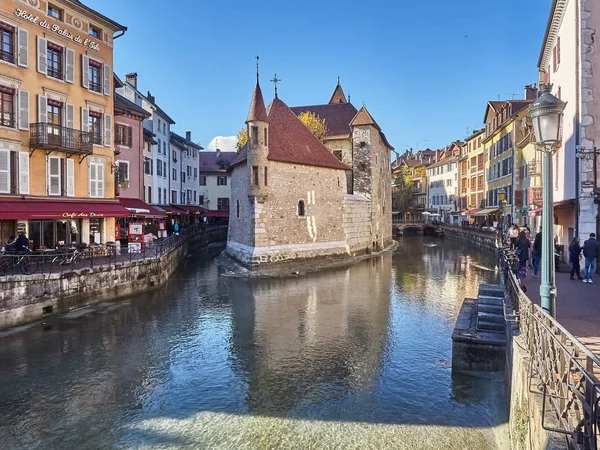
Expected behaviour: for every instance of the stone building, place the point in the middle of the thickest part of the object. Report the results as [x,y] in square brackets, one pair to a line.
[295,197]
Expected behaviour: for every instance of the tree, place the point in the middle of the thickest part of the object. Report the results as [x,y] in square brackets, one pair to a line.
[242,138]
[314,123]
[402,191]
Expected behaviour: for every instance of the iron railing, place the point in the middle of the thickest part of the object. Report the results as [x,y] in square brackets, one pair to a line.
[55,137]
[562,370]
[71,259]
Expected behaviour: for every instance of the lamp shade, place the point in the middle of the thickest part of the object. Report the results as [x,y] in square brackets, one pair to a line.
[546,116]
[501,194]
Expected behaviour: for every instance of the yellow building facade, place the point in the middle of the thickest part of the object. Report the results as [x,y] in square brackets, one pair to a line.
[502,133]
[471,172]
[56,127]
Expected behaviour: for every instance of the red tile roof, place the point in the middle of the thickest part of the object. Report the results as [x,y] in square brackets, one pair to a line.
[337,116]
[290,141]
[257,109]
[364,118]
[338,95]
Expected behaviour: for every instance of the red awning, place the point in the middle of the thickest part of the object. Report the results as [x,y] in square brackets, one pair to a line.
[173,210]
[40,210]
[215,213]
[138,208]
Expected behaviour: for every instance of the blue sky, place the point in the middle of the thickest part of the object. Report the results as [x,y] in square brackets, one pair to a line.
[424,69]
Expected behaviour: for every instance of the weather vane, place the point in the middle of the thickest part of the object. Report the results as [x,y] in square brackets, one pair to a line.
[275,80]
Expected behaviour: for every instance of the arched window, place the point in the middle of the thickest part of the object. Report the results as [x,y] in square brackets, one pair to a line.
[301,210]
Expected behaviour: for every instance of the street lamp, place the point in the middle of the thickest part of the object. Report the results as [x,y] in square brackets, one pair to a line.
[546,116]
[501,198]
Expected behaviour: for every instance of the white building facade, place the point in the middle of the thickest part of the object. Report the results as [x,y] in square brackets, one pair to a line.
[184,170]
[442,178]
[570,61]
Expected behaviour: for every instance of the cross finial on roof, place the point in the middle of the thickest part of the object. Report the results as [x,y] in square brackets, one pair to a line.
[257,58]
[275,80]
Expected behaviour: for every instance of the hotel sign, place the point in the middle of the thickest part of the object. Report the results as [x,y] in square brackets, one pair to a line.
[21,13]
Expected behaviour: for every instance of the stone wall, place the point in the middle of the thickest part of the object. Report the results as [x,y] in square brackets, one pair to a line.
[357,223]
[24,298]
[472,236]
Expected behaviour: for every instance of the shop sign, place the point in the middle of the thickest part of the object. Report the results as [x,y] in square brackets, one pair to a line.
[21,227]
[21,13]
[136,229]
[81,215]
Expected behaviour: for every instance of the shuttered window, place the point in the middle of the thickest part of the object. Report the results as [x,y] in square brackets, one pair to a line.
[4,171]
[54,175]
[96,180]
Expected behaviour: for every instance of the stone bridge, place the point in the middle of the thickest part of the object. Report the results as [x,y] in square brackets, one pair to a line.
[415,228]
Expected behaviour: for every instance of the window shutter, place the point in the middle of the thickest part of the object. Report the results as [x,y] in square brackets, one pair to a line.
[107,130]
[92,177]
[85,119]
[42,55]
[42,109]
[107,76]
[100,179]
[70,178]
[23,36]
[129,137]
[23,173]
[53,175]
[70,116]
[85,68]
[4,171]
[23,110]
[70,63]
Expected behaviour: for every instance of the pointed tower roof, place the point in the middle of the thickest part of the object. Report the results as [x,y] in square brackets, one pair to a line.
[257,109]
[338,94]
[364,118]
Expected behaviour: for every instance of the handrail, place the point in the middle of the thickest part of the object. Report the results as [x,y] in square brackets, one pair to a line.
[564,366]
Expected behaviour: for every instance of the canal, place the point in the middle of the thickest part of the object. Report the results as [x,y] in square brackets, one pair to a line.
[356,358]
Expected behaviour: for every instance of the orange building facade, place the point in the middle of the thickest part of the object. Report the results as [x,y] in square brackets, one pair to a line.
[56,123]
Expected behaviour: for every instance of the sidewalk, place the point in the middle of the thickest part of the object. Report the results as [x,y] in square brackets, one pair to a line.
[577,305]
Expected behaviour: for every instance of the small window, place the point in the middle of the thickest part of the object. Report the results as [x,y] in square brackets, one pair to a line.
[255,175]
[7,43]
[201,199]
[95,31]
[301,210]
[55,12]
[238,209]
[254,136]
[266,139]
[94,76]
[202,180]
[338,154]
[55,61]
[265,176]
[7,107]
[221,181]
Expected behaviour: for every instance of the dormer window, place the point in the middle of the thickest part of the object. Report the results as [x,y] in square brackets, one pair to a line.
[95,31]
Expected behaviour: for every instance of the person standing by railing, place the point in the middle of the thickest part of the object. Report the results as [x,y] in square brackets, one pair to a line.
[574,255]
[537,253]
[590,252]
[522,252]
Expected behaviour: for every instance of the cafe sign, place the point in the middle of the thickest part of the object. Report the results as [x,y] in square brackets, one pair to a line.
[64,32]
[81,215]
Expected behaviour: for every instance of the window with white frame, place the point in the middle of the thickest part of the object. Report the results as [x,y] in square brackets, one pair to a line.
[14,172]
[123,170]
[96,180]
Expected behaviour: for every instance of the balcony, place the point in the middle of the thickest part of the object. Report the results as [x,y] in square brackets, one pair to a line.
[51,137]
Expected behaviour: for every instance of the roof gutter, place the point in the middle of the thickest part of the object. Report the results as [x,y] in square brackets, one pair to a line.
[122,31]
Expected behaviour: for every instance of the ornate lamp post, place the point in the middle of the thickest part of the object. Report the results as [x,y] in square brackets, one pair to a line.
[546,116]
[501,199]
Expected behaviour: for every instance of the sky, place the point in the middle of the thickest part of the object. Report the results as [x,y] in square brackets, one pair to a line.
[425,70]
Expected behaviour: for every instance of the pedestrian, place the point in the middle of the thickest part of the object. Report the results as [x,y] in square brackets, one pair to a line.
[522,252]
[537,254]
[530,259]
[574,256]
[513,234]
[590,252]
[22,243]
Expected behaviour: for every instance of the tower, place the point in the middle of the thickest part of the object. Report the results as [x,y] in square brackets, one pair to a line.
[258,146]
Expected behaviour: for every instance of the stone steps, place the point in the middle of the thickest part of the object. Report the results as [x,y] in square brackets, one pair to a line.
[489,326]
[490,308]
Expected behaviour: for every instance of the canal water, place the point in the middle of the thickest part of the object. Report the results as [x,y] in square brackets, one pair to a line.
[356,358]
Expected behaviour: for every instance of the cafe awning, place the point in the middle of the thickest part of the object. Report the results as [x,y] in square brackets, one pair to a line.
[44,209]
[138,208]
[485,212]
[215,213]
[171,210]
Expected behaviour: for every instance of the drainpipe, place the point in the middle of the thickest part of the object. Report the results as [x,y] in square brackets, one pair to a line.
[577,118]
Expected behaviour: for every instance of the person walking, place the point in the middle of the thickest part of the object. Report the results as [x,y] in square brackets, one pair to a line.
[537,254]
[513,235]
[590,253]
[522,252]
[574,256]
[530,259]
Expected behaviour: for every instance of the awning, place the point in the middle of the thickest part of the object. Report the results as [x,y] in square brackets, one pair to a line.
[171,210]
[215,213]
[485,212]
[138,208]
[535,212]
[44,209]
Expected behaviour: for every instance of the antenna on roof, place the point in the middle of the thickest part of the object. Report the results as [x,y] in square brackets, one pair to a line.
[513,94]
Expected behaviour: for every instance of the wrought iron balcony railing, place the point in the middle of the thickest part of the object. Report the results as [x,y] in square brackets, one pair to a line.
[48,136]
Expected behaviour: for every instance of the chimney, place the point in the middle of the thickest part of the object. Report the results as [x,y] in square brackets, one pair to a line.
[131,78]
[218,157]
[531,92]
[150,97]
[188,136]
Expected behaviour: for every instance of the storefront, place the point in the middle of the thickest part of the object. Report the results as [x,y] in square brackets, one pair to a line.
[48,224]
[141,213]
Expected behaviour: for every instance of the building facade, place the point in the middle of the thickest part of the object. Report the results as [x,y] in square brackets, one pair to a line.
[56,130]
[442,177]
[569,61]
[185,178]
[472,173]
[215,180]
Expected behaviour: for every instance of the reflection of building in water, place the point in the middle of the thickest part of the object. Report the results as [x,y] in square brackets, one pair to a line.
[303,340]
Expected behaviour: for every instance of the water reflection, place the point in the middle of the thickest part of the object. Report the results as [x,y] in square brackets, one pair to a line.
[349,358]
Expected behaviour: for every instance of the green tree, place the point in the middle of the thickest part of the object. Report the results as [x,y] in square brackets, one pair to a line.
[242,138]
[314,123]
[402,190]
